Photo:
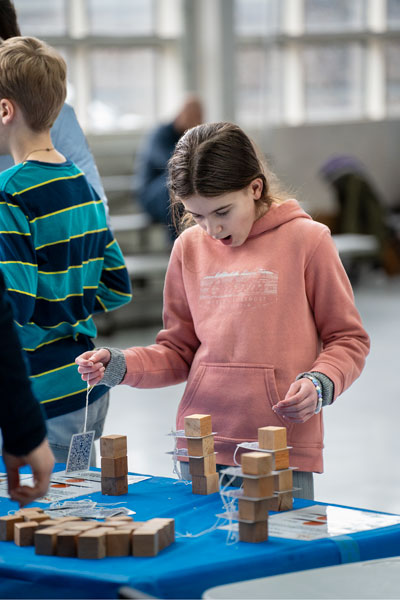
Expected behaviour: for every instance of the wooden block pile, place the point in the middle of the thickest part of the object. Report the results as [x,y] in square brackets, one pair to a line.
[274,440]
[114,465]
[258,490]
[202,464]
[73,537]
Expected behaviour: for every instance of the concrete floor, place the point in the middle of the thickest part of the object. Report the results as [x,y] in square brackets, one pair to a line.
[362,441]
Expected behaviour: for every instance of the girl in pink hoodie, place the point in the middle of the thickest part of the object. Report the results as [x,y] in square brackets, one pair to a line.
[259,315]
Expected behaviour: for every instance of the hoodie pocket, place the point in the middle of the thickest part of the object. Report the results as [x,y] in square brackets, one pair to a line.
[239,398]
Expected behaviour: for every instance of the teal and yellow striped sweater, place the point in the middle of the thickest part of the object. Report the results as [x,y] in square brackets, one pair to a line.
[61,264]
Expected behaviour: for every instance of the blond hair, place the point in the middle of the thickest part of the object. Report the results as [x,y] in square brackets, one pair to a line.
[34,76]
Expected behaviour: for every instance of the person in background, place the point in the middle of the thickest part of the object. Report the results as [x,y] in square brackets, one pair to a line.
[21,419]
[259,315]
[152,159]
[66,133]
[60,261]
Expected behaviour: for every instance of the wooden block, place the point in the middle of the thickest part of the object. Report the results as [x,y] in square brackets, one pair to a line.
[258,488]
[24,532]
[46,540]
[205,484]
[273,503]
[80,525]
[253,532]
[126,518]
[198,425]
[67,542]
[272,438]
[23,511]
[131,526]
[118,542]
[253,510]
[256,463]
[114,467]
[201,447]
[113,446]
[38,517]
[205,465]
[7,526]
[92,543]
[46,523]
[283,480]
[114,486]
[145,541]
[285,501]
[166,530]
[281,458]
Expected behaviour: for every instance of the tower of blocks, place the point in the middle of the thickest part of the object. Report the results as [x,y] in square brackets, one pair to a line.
[114,465]
[274,440]
[200,444]
[258,490]
[73,537]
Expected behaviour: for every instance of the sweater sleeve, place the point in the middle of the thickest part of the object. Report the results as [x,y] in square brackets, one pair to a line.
[345,343]
[168,361]
[21,418]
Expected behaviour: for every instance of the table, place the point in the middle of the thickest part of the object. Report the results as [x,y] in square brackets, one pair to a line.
[188,567]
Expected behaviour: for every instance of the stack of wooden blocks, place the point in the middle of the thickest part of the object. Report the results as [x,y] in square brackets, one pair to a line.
[73,537]
[258,490]
[274,440]
[114,465]
[202,464]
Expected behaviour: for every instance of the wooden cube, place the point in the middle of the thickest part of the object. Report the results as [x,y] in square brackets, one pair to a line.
[24,532]
[38,517]
[272,438]
[80,525]
[256,463]
[113,446]
[67,542]
[166,531]
[283,480]
[131,526]
[145,541]
[92,543]
[201,447]
[24,511]
[281,459]
[205,465]
[118,542]
[273,503]
[114,467]
[258,488]
[114,486]
[46,540]
[198,425]
[205,484]
[253,532]
[7,526]
[253,510]
[285,501]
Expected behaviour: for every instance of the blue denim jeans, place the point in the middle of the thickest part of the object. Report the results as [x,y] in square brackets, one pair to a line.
[60,429]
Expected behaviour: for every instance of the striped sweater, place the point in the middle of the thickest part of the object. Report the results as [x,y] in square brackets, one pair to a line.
[61,265]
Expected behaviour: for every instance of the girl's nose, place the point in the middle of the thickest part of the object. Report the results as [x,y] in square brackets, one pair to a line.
[214,230]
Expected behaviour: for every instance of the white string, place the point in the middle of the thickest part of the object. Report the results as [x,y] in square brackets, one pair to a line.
[88,390]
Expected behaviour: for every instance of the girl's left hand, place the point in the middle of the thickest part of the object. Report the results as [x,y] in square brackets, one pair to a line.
[299,403]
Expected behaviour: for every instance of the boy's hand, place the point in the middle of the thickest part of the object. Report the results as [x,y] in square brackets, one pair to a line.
[299,403]
[92,365]
[41,461]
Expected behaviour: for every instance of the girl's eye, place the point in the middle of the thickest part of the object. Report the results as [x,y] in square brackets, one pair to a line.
[222,214]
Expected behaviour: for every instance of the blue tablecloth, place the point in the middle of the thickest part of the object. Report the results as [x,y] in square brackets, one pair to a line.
[185,569]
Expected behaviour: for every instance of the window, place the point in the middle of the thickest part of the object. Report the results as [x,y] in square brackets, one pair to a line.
[339,15]
[392,60]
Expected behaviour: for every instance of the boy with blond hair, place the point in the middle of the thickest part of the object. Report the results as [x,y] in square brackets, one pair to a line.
[60,260]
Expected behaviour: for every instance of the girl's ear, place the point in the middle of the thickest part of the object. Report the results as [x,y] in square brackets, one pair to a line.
[7,111]
[257,187]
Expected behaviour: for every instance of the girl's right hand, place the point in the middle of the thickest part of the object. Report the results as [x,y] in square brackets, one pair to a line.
[92,365]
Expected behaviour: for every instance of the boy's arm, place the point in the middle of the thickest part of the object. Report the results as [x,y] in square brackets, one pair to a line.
[17,258]
[114,287]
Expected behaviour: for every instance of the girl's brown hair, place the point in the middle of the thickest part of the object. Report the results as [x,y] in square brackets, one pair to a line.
[211,160]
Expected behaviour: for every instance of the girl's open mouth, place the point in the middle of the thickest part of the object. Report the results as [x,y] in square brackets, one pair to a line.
[227,241]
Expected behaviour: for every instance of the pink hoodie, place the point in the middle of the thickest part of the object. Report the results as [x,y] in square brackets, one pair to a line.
[241,323]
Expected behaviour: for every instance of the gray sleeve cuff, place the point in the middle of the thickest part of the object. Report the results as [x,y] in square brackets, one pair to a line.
[116,368]
[327,386]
